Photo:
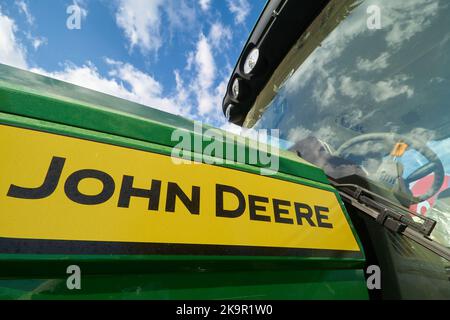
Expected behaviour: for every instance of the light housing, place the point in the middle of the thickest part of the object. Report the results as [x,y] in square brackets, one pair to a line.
[251,61]
[235,88]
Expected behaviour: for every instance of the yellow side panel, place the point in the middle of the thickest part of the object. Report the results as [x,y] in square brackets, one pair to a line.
[25,160]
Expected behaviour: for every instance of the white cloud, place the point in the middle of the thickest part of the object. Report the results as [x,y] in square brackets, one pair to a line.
[206,71]
[220,35]
[141,22]
[379,63]
[197,97]
[198,93]
[11,51]
[207,86]
[182,92]
[204,4]
[325,94]
[379,91]
[180,16]
[190,60]
[205,62]
[298,133]
[240,9]
[353,88]
[404,19]
[204,85]
[141,87]
[391,88]
[201,85]
[36,42]
[23,8]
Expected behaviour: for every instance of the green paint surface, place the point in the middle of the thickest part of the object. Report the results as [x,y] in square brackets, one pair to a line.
[39,103]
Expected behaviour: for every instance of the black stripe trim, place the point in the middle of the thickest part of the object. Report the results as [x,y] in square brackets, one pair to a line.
[34,246]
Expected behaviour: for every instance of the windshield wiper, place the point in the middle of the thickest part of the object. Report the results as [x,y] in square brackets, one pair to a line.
[393,216]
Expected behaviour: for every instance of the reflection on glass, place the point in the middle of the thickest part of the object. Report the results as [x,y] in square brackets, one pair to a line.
[371,106]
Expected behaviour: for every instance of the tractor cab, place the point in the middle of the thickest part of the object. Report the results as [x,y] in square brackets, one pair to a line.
[360,89]
[103,198]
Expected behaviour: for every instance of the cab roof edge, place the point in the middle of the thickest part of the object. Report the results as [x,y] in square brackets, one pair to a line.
[269,36]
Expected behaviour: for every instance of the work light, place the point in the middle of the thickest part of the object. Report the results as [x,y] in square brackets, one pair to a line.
[251,61]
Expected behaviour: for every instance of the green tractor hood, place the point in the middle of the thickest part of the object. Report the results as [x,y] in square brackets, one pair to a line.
[89,187]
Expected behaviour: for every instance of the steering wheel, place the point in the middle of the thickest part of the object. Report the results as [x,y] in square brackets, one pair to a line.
[434,164]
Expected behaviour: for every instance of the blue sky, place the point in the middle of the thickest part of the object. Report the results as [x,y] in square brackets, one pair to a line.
[175,55]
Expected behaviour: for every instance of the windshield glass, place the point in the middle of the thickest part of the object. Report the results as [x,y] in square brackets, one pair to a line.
[365,94]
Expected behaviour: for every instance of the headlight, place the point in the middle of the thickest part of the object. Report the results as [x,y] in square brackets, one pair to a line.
[251,61]
[235,88]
